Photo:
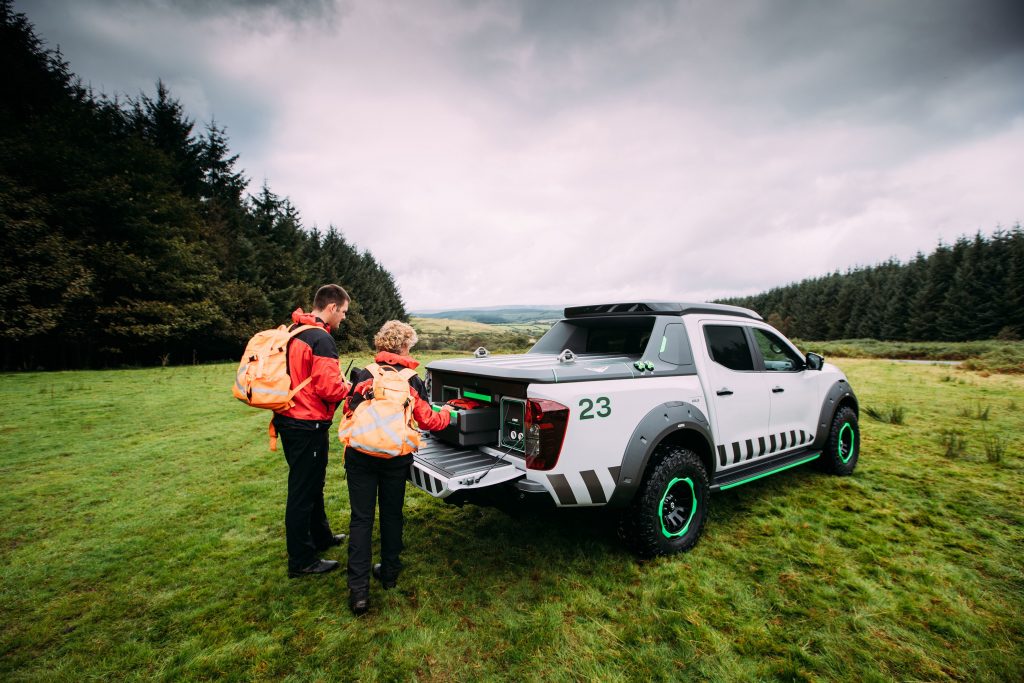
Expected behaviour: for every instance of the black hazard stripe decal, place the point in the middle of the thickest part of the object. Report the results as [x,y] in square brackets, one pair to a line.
[562,489]
[426,482]
[594,487]
[773,443]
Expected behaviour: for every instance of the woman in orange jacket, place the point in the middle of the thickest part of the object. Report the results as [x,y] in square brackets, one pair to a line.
[378,475]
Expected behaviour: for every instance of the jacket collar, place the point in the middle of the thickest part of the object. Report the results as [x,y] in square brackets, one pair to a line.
[395,359]
[300,318]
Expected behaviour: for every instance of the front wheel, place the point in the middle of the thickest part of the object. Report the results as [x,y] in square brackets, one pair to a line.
[842,449]
[670,509]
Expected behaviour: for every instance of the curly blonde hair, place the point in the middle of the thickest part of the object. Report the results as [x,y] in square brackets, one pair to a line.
[393,335]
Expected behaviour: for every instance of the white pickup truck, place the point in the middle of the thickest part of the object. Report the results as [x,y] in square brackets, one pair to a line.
[647,407]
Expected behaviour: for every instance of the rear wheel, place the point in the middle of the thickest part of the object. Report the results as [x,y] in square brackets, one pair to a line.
[842,449]
[669,511]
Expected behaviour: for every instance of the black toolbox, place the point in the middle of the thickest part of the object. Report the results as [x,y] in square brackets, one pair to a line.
[475,427]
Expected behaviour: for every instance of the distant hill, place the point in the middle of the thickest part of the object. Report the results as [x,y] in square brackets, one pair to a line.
[503,315]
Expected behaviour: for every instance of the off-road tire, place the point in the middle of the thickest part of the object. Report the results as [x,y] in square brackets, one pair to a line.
[842,449]
[669,511]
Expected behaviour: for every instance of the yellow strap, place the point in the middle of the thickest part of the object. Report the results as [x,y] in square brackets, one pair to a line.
[296,390]
[273,435]
[303,328]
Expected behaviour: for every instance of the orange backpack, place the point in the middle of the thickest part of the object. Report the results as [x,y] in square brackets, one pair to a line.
[262,379]
[383,425]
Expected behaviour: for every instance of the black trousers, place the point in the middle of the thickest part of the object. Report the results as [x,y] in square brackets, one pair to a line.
[371,479]
[305,519]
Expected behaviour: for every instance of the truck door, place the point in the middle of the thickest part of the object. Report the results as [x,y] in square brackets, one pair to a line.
[738,393]
[794,401]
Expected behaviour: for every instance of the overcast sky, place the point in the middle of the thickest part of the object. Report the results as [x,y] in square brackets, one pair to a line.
[570,152]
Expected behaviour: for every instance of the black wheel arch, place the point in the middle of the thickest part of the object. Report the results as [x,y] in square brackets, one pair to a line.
[676,422]
[840,394]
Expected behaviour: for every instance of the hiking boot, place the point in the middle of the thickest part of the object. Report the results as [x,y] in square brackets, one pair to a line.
[336,540]
[359,602]
[388,584]
[318,567]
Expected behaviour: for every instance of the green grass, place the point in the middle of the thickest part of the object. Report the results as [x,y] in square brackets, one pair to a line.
[987,355]
[143,538]
[446,333]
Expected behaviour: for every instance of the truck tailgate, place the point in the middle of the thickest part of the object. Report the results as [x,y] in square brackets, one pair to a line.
[440,469]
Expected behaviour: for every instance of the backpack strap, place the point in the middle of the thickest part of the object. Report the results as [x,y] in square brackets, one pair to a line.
[297,389]
[303,383]
[303,328]
[407,374]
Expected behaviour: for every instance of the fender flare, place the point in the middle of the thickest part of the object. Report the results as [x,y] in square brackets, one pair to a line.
[661,422]
[840,392]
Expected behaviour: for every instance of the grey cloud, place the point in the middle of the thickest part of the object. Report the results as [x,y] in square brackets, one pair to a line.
[662,149]
[796,59]
[295,9]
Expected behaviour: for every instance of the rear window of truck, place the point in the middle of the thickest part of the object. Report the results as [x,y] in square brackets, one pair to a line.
[626,336]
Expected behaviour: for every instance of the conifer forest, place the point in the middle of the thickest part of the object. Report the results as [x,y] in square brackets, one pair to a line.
[128,234]
[969,290]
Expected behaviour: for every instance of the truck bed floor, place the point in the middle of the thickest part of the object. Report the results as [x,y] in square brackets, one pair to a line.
[452,461]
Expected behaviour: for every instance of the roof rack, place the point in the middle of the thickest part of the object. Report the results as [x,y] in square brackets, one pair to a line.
[658,308]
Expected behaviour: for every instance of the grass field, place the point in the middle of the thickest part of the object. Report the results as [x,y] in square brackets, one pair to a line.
[987,355]
[445,333]
[143,538]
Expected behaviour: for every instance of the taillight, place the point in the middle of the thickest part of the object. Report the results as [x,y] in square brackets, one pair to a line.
[545,430]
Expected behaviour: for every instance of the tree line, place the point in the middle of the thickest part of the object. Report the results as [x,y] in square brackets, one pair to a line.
[969,290]
[129,237]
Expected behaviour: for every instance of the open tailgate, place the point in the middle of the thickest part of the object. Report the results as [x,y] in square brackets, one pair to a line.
[441,469]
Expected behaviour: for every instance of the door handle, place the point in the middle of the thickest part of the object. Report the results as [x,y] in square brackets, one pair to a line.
[777,390]
[724,391]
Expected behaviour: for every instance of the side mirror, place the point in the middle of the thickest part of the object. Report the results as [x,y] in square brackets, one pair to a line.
[814,361]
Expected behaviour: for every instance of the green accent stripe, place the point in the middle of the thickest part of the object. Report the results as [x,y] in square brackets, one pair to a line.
[664,343]
[839,446]
[479,397]
[661,508]
[765,474]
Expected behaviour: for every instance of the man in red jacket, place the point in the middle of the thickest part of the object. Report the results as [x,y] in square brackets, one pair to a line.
[305,428]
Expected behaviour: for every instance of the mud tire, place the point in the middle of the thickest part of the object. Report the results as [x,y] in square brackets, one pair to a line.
[842,449]
[668,514]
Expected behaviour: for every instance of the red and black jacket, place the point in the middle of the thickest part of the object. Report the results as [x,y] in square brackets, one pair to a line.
[424,415]
[313,352]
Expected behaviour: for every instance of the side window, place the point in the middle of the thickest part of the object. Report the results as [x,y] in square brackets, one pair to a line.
[778,357]
[728,346]
[674,346]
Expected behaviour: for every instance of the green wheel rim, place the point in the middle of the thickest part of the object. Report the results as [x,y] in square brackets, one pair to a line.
[672,508]
[846,443]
